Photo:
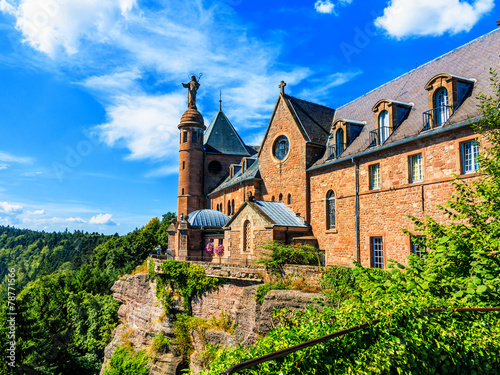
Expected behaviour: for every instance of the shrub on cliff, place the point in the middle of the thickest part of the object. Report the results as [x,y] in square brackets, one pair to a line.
[124,361]
[278,255]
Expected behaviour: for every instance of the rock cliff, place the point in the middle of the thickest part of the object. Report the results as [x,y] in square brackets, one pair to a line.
[142,317]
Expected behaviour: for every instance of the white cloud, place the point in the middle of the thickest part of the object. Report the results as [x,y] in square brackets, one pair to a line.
[3,166]
[404,18]
[166,170]
[37,212]
[327,7]
[134,59]
[102,219]
[7,7]
[323,85]
[36,222]
[61,24]
[14,159]
[146,125]
[10,209]
[324,6]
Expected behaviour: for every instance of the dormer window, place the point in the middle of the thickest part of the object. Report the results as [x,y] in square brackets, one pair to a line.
[389,114]
[339,142]
[384,130]
[446,94]
[342,134]
[441,106]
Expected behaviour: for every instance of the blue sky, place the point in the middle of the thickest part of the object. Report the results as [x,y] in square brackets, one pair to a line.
[91,91]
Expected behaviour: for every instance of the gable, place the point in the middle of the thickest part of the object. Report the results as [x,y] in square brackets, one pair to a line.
[282,123]
[249,212]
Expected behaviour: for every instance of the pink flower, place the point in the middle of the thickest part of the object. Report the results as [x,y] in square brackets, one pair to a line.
[219,250]
[210,247]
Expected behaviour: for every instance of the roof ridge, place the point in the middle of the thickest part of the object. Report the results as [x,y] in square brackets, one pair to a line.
[307,101]
[311,118]
[421,66]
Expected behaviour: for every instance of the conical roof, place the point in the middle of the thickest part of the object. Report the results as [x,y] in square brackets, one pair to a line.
[222,138]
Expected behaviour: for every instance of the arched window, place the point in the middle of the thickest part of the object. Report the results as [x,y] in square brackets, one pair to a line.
[339,142]
[441,106]
[289,198]
[330,210]
[232,207]
[246,235]
[229,207]
[281,197]
[383,126]
[273,199]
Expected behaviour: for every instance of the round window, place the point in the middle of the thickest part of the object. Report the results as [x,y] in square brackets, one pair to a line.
[214,167]
[280,148]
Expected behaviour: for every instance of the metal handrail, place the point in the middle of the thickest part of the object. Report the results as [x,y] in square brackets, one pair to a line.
[335,150]
[376,138]
[292,349]
[284,352]
[436,117]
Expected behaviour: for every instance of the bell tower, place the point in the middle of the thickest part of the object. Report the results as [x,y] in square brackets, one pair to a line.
[191,155]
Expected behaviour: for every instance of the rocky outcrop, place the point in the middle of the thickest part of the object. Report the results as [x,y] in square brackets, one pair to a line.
[142,317]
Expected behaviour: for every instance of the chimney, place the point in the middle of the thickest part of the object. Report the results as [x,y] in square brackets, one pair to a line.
[498,23]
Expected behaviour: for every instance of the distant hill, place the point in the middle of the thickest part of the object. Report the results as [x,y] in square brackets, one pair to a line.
[33,254]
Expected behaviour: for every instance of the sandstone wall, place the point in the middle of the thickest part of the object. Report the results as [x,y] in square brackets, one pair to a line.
[384,212]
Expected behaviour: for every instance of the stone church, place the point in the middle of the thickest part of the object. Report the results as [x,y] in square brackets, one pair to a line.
[341,179]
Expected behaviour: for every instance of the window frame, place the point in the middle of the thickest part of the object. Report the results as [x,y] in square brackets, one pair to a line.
[463,157]
[411,163]
[377,261]
[384,128]
[339,142]
[371,170]
[330,207]
[281,147]
[414,248]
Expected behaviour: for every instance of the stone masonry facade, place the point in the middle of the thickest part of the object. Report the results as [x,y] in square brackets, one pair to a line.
[353,174]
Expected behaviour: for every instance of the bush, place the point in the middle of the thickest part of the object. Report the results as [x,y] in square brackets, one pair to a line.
[263,289]
[124,361]
[279,255]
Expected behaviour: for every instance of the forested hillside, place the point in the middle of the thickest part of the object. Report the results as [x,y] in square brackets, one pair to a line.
[62,280]
[33,254]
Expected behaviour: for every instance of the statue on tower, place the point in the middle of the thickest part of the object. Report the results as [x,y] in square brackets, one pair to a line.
[192,87]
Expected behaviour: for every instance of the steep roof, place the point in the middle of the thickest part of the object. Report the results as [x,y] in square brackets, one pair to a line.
[314,119]
[275,213]
[222,138]
[251,172]
[471,61]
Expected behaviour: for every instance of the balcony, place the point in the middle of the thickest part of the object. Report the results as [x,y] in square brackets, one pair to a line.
[379,136]
[334,151]
[436,117]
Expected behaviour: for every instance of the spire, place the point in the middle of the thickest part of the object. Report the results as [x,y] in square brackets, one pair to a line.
[220,101]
